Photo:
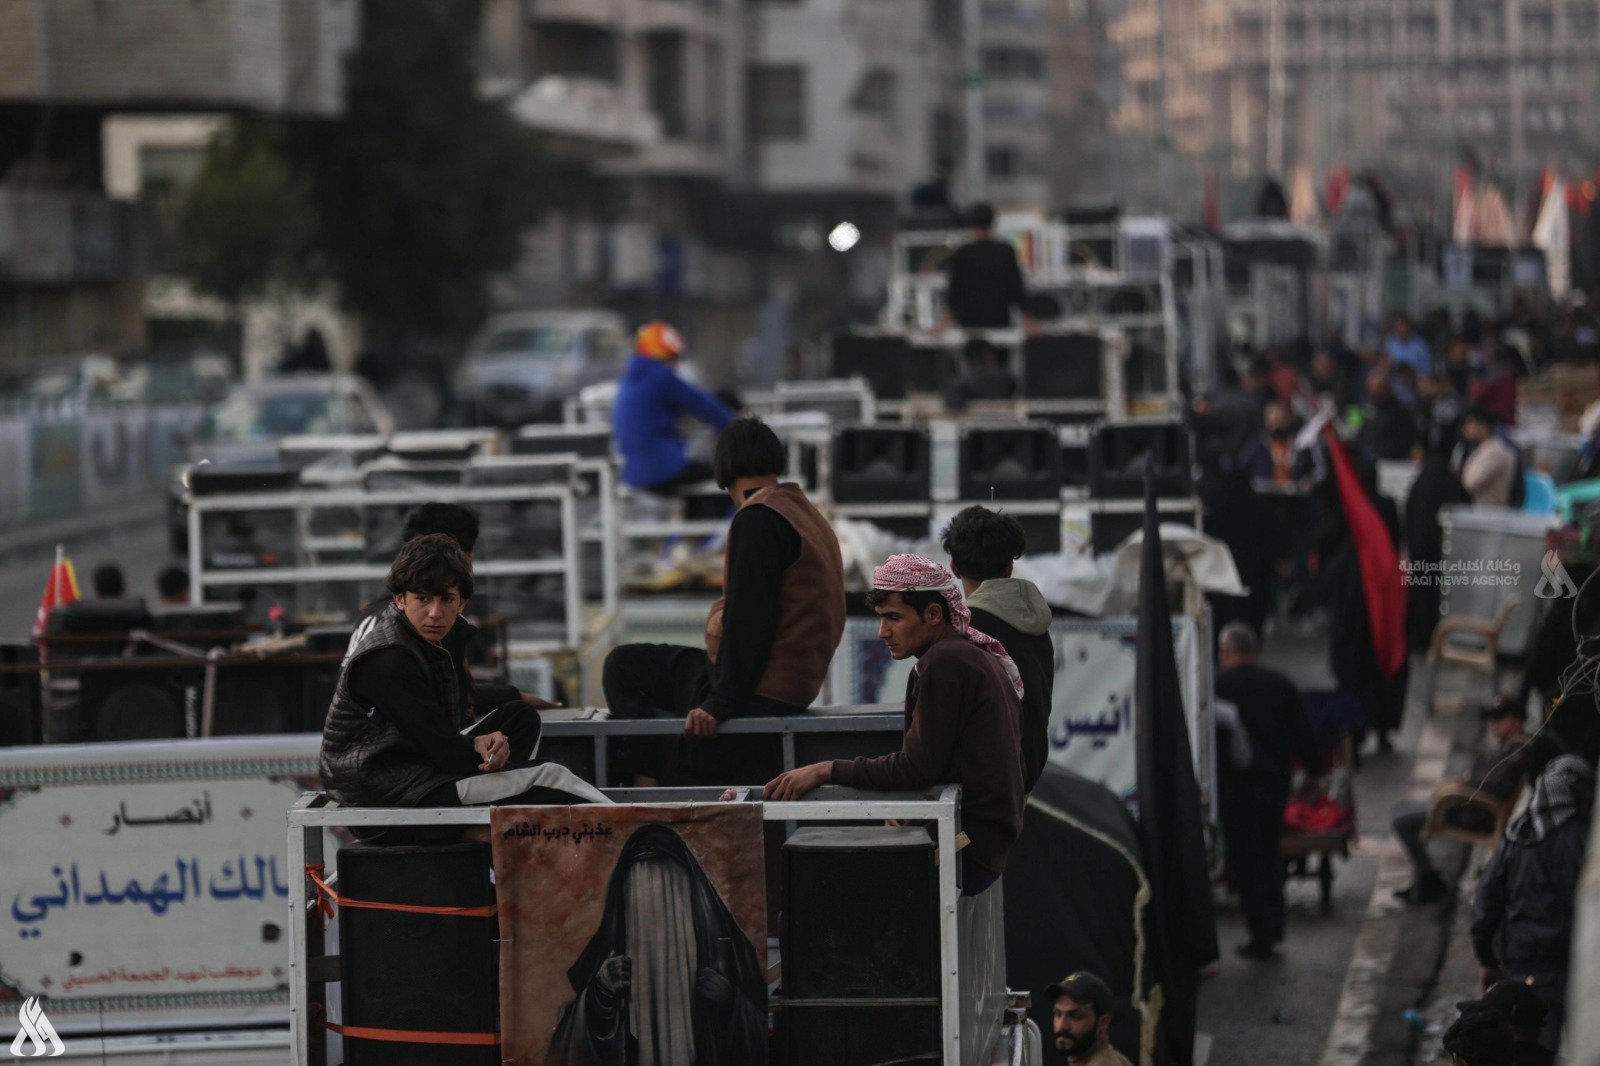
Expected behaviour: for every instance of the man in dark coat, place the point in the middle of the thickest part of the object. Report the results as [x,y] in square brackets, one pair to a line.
[1253,797]
[1522,917]
[669,978]
[1435,488]
[983,545]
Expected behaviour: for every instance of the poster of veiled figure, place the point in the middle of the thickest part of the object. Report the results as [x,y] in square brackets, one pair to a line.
[632,936]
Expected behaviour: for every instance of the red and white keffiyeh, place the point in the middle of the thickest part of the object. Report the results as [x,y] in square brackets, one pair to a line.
[918,573]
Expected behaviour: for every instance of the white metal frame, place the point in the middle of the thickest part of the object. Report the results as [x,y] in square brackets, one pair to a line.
[315,812]
[304,501]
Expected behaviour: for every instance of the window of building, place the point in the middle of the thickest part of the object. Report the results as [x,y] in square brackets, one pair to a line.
[1006,62]
[665,83]
[875,93]
[1003,162]
[775,99]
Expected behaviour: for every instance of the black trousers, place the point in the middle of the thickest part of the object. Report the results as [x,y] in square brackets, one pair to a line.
[1252,821]
[669,681]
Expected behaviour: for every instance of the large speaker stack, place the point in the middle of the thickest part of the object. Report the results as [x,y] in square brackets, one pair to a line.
[1119,454]
[1016,469]
[861,947]
[884,475]
[20,721]
[432,973]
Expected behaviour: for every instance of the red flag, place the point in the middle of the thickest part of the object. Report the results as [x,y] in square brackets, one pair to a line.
[60,588]
[1381,578]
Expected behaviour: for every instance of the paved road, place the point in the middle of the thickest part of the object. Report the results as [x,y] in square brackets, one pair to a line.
[139,547]
[1289,1010]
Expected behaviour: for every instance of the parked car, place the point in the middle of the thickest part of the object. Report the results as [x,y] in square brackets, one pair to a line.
[523,365]
[242,432]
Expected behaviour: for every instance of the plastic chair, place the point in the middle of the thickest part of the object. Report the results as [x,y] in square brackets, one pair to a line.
[1453,795]
[1539,493]
[1470,642]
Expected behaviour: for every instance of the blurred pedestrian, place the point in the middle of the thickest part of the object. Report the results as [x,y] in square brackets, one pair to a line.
[984,280]
[650,399]
[108,582]
[1521,1006]
[983,545]
[1252,798]
[1479,1038]
[1522,916]
[172,586]
[1489,466]
[1404,347]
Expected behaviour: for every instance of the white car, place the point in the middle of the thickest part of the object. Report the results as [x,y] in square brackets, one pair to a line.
[523,365]
[242,432]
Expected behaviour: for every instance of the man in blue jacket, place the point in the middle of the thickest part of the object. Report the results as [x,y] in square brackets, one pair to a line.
[650,399]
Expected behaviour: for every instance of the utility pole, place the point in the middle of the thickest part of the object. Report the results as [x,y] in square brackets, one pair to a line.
[972,94]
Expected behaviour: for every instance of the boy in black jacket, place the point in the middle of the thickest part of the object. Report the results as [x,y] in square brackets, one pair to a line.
[982,545]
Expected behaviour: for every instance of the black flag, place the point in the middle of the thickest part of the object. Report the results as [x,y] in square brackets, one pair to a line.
[1170,819]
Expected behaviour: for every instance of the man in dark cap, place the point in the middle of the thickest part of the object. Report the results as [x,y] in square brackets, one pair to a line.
[1479,1038]
[1082,1011]
[1520,1005]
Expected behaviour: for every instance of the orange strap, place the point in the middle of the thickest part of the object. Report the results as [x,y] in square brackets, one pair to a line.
[411,1036]
[327,897]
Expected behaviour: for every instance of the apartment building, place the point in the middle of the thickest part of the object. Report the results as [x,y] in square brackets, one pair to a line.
[1405,85]
[74,260]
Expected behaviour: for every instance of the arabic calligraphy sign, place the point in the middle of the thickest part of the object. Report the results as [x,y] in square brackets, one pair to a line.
[144,888]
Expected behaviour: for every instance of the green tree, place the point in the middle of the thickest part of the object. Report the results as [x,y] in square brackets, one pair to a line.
[243,225]
[423,188]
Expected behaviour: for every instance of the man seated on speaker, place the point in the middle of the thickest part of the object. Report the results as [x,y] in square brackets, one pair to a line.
[963,716]
[397,732]
[651,397]
[769,640]
[983,545]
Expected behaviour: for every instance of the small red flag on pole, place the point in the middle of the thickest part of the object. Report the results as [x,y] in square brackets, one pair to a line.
[60,588]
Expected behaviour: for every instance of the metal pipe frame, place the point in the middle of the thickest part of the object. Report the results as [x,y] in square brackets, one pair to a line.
[315,812]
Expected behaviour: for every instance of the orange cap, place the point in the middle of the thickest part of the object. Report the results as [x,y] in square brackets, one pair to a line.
[658,340]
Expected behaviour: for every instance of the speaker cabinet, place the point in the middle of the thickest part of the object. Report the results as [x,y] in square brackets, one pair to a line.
[156,703]
[881,360]
[20,721]
[435,973]
[1117,452]
[1107,529]
[861,907]
[1063,366]
[1009,463]
[881,464]
[858,1034]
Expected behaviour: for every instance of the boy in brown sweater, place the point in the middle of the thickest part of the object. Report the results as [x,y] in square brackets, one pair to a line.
[963,716]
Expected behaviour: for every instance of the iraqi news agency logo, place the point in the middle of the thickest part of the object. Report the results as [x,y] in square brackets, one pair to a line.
[1554,581]
[37,1031]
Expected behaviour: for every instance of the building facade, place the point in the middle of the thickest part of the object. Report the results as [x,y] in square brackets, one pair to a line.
[1406,86]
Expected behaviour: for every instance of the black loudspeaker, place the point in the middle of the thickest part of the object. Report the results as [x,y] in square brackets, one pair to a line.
[1107,529]
[1075,463]
[1117,459]
[20,721]
[145,703]
[860,947]
[584,441]
[858,1034]
[931,369]
[860,914]
[1063,366]
[1043,532]
[241,540]
[427,972]
[881,464]
[881,360]
[1009,463]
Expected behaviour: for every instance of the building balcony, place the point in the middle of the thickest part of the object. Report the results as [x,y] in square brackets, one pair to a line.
[586,108]
[54,236]
[694,17]
[672,157]
[599,14]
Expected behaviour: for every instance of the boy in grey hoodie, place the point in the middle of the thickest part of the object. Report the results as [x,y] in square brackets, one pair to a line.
[982,545]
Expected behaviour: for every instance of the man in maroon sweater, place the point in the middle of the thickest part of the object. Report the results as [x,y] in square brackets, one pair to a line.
[963,716]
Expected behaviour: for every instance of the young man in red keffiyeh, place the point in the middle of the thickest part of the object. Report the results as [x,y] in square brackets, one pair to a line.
[963,716]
